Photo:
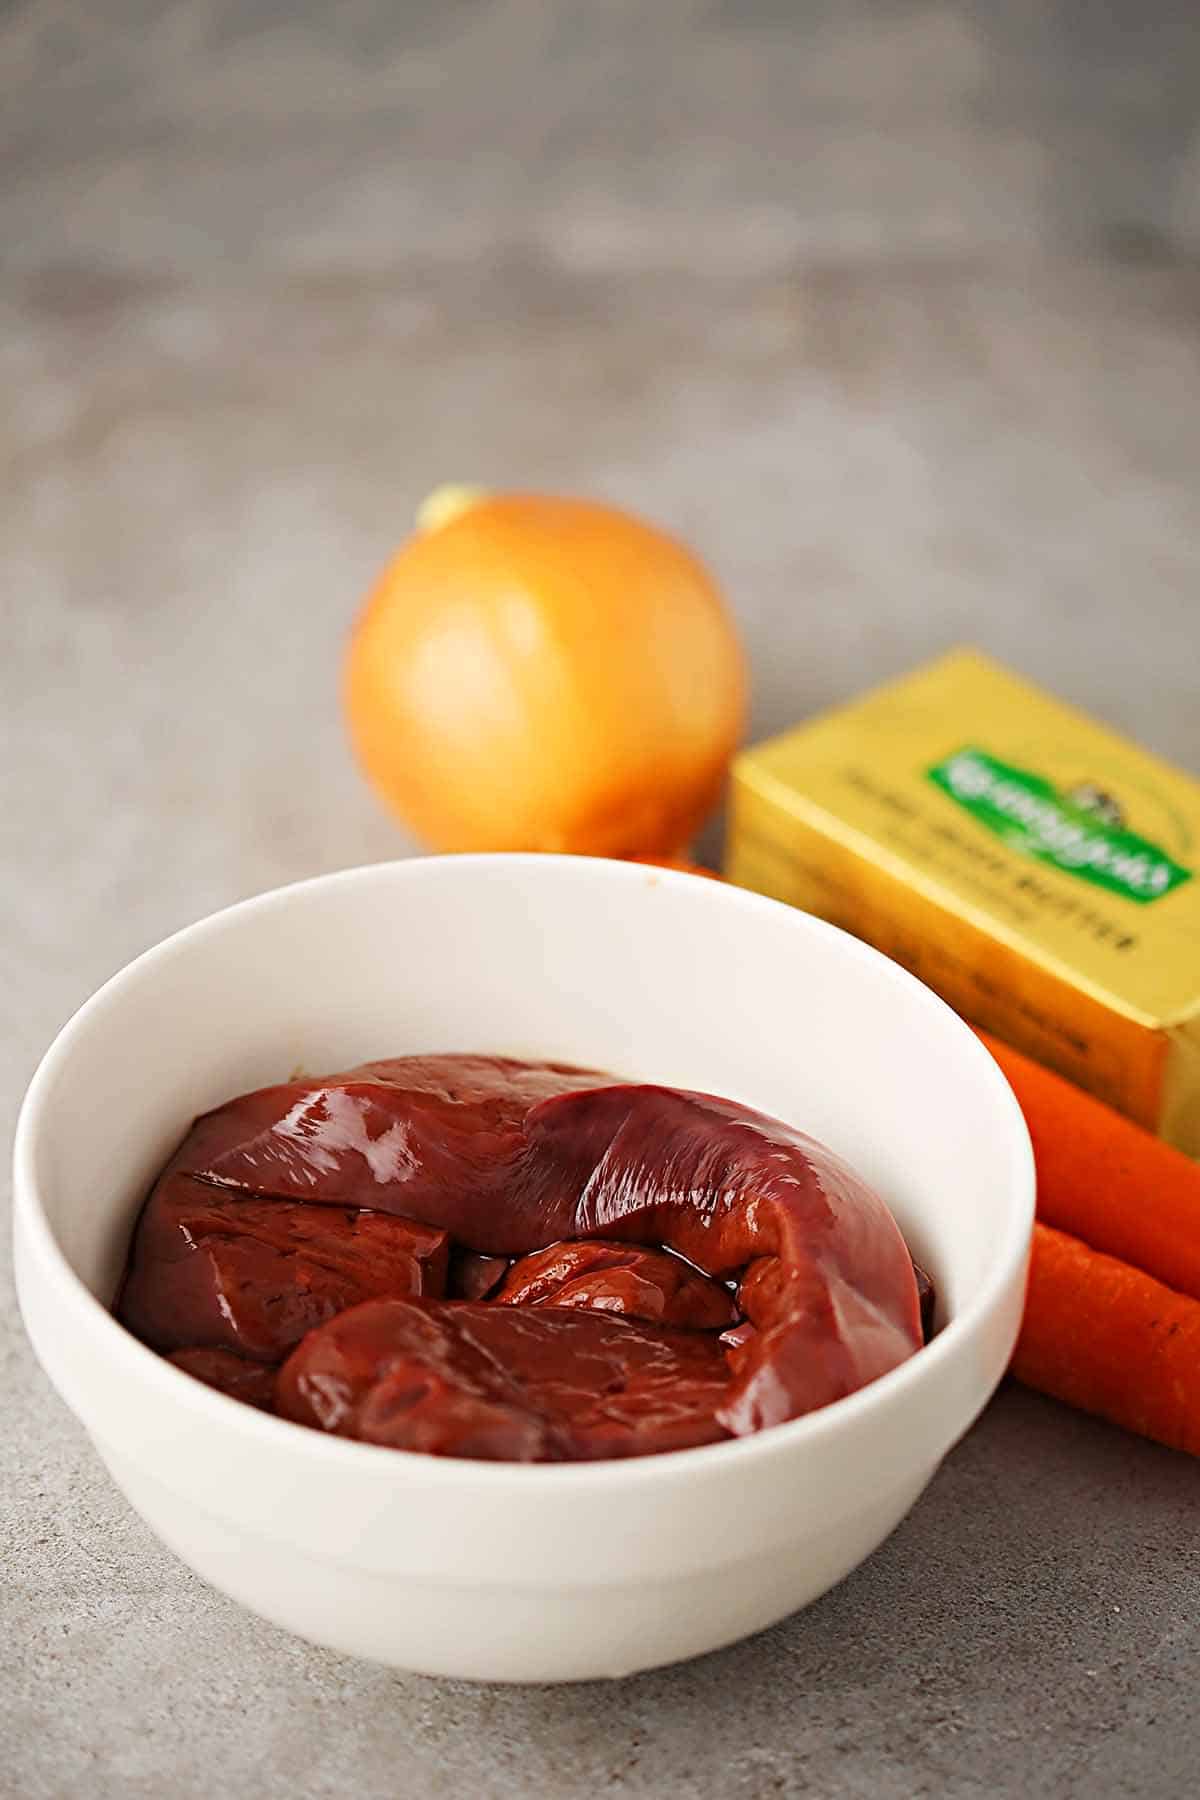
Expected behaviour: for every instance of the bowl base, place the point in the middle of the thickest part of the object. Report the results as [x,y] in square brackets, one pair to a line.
[497,1632]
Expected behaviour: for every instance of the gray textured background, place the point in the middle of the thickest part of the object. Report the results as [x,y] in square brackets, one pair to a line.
[892,310]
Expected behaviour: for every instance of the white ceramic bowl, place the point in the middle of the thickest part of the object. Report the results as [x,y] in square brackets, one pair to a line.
[497,1571]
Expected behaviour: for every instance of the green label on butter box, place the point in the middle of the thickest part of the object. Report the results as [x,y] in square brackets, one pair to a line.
[1079,832]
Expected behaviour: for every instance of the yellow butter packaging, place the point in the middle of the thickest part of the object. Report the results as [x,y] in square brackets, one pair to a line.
[1036,869]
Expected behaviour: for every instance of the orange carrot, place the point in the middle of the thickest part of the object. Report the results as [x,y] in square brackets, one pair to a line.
[1105,1179]
[1107,1338]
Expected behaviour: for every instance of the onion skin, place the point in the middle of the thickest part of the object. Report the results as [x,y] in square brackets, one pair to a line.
[546,674]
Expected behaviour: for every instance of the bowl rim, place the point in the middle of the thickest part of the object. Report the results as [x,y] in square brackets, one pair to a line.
[138,1363]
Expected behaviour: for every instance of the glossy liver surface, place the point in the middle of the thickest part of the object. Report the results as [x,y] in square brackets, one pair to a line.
[478,1257]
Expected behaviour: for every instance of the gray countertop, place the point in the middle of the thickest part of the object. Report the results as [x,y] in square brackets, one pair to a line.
[885,434]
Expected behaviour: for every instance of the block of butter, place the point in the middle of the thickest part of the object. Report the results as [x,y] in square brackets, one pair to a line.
[1037,870]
